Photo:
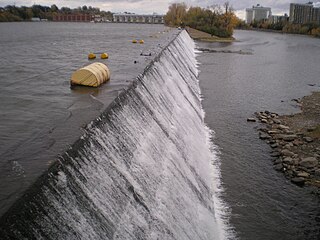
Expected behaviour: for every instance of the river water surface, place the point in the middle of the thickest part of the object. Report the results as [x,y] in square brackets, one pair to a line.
[277,69]
[41,115]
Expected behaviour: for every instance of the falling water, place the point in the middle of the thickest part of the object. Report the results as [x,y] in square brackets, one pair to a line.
[145,169]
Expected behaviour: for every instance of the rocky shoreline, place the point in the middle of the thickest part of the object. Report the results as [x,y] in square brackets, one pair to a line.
[295,141]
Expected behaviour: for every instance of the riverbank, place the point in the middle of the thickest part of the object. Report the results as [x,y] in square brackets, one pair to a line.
[206,37]
[278,31]
[295,140]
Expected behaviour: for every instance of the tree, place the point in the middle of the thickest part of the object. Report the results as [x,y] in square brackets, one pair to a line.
[213,20]
[54,8]
[176,14]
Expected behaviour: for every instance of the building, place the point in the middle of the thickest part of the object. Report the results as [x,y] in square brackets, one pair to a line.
[73,17]
[304,13]
[279,19]
[257,13]
[35,19]
[136,18]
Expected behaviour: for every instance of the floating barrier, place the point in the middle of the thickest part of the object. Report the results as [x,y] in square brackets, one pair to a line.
[92,75]
[104,56]
[141,41]
[91,56]
[134,41]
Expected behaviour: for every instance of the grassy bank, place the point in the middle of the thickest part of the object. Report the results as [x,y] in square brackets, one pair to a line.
[206,37]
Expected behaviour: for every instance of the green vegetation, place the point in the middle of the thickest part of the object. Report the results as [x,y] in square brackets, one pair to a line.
[12,13]
[214,20]
[307,29]
[286,27]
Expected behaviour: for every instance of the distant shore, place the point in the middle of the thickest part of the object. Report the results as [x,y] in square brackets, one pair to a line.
[206,37]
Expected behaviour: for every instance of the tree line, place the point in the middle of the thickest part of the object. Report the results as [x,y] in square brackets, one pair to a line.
[12,13]
[215,20]
[285,27]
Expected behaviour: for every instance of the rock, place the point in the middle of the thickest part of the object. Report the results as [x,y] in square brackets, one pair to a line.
[264,120]
[303,174]
[273,132]
[308,139]
[295,161]
[267,112]
[263,136]
[288,160]
[289,138]
[276,121]
[298,180]
[296,100]
[274,145]
[288,132]
[279,136]
[317,173]
[287,153]
[263,130]
[251,120]
[300,134]
[275,154]
[297,142]
[309,162]
[277,161]
[278,167]
[287,146]
[311,129]
[282,127]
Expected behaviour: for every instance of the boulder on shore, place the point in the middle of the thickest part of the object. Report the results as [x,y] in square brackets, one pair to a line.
[309,162]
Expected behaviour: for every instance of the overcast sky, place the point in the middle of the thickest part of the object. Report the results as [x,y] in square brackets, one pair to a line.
[158,6]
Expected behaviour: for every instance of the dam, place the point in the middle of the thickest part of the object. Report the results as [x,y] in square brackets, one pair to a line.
[145,168]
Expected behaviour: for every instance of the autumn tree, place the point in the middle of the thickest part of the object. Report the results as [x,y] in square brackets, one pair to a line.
[215,20]
[176,14]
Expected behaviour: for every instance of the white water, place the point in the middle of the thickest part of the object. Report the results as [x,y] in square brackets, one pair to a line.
[147,170]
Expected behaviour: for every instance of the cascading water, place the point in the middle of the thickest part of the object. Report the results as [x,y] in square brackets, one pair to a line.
[143,170]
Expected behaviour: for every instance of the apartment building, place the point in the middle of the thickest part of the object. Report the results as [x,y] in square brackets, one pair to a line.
[304,13]
[257,13]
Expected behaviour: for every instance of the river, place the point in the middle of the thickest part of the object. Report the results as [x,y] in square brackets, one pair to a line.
[274,70]
[135,172]
[40,115]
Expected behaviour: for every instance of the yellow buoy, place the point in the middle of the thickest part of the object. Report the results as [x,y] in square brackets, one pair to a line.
[92,75]
[141,41]
[91,56]
[134,41]
[104,55]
